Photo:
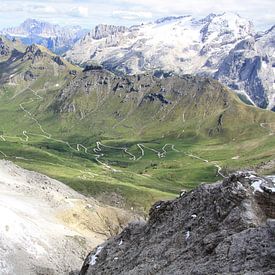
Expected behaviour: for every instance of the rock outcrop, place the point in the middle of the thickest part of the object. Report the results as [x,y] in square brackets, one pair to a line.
[250,67]
[222,228]
[4,49]
[102,31]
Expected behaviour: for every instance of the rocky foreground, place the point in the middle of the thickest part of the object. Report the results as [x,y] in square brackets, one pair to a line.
[47,228]
[222,228]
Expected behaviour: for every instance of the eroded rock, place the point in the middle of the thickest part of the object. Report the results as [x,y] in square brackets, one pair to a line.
[222,228]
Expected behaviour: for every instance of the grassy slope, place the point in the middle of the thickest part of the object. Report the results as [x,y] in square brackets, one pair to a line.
[139,182]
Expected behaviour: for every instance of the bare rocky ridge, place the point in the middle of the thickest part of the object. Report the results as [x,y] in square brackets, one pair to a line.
[46,227]
[222,228]
[4,49]
[181,44]
[250,67]
[212,46]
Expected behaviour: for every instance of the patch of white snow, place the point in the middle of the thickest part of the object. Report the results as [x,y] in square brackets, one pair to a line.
[94,257]
[257,186]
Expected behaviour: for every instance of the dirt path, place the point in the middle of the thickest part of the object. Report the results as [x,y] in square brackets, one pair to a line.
[98,149]
[219,168]
[266,126]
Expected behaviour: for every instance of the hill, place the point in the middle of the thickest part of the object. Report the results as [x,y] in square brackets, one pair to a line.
[127,140]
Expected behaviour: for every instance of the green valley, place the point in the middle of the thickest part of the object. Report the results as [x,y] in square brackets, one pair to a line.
[126,140]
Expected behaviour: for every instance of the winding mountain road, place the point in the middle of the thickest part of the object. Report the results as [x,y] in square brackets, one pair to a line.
[219,168]
[267,128]
[99,145]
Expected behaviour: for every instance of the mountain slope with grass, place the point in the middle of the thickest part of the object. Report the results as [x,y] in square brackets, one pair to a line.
[126,140]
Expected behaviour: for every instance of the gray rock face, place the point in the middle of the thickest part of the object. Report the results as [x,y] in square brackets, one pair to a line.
[4,49]
[102,31]
[44,224]
[250,67]
[222,228]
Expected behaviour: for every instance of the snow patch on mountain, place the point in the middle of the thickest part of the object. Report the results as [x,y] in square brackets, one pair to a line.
[214,46]
[182,44]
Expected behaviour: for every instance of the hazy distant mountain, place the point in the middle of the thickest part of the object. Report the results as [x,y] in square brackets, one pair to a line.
[54,37]
[185,45]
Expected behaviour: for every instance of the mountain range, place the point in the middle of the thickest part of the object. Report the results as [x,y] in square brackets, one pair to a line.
[54,37]
[222,46]
[125,141]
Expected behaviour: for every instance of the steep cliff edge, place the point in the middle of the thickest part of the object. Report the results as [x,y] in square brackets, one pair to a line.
[46,227]
[222,228]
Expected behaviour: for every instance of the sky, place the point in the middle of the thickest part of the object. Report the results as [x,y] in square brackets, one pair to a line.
[88,13]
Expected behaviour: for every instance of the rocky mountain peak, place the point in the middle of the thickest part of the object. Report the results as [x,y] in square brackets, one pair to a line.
[227,227]
[34,26]
[229,26]
[32,52]
[208,46]
[32,49]
[102,30]
[4,49]
[208,18]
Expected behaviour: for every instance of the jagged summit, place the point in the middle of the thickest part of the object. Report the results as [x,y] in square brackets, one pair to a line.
[148,48]
[33,27]
[52,36]
[227,228]
[102,30]
[186,45]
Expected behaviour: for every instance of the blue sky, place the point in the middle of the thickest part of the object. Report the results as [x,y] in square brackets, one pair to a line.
[88,13]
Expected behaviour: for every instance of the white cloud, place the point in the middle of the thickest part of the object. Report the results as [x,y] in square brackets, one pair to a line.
[132,15]
[79,11]
[127,12]
[259,11]
[48,9]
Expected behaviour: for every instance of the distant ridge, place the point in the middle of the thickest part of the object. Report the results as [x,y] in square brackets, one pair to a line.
[54,37]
